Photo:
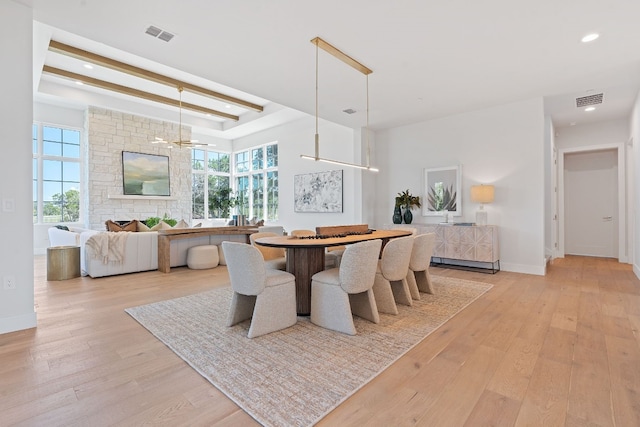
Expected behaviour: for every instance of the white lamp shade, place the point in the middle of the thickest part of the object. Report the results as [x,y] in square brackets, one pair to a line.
[482,193]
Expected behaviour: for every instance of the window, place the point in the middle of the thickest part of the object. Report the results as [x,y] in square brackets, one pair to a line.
[211,193]
[256,182]
[56,174]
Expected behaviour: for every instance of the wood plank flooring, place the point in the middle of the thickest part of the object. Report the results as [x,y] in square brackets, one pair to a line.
[559,350]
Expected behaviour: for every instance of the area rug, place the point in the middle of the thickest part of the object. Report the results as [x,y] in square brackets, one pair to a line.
[296,376]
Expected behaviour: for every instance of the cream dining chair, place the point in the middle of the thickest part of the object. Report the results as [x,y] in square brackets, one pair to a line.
[390,285]
[274,258]
[418,277]
[338,293]
[267,296]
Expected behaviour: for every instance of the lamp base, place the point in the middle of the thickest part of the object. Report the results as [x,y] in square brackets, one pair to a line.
[481,217]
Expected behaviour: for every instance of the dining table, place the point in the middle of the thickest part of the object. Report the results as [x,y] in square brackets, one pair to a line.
[305,256]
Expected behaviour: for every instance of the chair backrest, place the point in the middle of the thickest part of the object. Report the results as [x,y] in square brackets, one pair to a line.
[246,268]
[339,229]
[267,252]
[422,250]
[302,233]
[395,258]
[412,230]
[358,266]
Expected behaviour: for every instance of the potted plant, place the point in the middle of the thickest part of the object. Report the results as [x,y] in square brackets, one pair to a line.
[407,201]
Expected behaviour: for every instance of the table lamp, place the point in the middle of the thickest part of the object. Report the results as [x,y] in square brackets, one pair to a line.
[482,194]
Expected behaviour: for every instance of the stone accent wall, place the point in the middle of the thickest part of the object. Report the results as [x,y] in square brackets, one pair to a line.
[111,132]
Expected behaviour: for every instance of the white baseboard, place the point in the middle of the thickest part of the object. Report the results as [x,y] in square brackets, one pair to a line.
[18,323]
[538,270]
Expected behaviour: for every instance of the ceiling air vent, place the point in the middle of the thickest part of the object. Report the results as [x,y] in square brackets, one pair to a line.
[159,33]
[589,100]
[349,111]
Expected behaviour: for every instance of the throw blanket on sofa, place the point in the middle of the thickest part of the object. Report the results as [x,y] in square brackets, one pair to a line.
[108,246]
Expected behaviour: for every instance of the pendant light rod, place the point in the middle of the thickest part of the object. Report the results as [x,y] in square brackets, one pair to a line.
[317,139]
[328,47]
[364,70]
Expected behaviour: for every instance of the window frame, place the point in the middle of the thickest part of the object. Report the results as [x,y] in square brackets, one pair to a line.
[38,160]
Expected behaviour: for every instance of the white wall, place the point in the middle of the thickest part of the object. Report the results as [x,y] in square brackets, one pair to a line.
[336,142]
[16,114]
[549,146]
[634,153]
[502,146]
[599,133]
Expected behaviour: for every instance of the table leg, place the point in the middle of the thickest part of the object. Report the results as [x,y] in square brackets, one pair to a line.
[304,263]
[164,254]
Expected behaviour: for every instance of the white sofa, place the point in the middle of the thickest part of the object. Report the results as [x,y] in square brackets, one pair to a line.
[140,250]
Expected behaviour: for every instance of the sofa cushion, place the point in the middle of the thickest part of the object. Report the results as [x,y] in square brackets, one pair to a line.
[129,226]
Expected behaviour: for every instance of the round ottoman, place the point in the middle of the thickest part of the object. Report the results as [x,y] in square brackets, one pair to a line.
[202,257]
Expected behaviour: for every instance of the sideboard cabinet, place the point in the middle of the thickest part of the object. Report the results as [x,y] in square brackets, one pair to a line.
[474,246]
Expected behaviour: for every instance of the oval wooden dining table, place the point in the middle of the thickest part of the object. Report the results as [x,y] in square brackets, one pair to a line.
[305,257]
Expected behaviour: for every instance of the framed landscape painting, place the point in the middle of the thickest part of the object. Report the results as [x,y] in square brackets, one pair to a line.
[145,174]
[318,192]
[442,191]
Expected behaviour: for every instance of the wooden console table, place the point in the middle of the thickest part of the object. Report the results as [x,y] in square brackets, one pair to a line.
[166,236]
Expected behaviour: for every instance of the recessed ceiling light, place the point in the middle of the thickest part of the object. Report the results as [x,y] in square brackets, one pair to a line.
[88,66]
[590,37]
[227,106]
[589,108]
[79,83]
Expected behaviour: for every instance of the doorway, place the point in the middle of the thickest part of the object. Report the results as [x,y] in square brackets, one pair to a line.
[591,208]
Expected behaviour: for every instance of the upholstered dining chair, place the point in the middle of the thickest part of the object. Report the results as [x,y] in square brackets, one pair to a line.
[267,296]
[330,259]
[418,277]
[274,258]
[390,285]
[338,293]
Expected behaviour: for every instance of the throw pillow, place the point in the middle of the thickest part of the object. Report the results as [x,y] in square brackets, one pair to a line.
[62,227]
[181,224]
[198,225]
[129,226]
[161,226]
[142,227]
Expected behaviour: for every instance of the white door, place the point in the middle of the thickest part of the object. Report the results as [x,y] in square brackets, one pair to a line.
[591,203]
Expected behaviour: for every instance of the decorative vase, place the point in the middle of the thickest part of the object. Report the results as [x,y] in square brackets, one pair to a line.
[408,216]
[397,215]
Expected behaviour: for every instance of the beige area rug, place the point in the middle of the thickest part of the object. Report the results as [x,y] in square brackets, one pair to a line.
[296,376]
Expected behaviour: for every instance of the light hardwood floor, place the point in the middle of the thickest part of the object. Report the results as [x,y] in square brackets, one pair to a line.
[559,350]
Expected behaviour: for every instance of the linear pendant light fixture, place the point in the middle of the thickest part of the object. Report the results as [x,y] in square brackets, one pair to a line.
[364,70]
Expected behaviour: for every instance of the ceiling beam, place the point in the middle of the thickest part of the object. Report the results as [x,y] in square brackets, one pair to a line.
[135,92]
[103,61]
[328,47]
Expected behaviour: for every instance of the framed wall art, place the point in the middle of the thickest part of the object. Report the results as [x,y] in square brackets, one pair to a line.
[145,174]
[318,192]
[442,191]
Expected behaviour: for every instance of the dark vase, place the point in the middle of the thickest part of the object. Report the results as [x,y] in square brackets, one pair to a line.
[397,215]
[408,216]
